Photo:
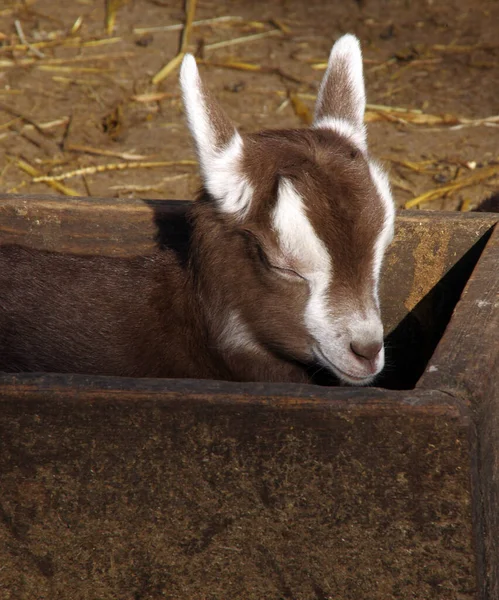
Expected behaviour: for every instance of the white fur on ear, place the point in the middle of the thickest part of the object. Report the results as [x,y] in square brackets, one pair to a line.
[341,101]
[219,146]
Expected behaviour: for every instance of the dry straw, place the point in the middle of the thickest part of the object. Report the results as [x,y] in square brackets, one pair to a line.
[463,182]
[27,168]
[92,170]
[297,95]
[184,42]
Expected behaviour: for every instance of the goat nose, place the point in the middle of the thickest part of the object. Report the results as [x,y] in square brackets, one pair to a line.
[367,350]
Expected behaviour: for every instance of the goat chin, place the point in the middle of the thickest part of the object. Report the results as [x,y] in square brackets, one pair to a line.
[285,253]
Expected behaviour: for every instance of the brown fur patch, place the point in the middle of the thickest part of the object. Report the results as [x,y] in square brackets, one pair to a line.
[223,127]
[333,179]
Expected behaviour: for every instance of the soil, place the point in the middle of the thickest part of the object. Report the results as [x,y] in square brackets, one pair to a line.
[438,57]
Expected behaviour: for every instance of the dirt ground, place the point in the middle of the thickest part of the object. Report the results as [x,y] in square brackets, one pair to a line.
[74,97]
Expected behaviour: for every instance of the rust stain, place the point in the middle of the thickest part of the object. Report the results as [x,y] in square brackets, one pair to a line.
[430,257]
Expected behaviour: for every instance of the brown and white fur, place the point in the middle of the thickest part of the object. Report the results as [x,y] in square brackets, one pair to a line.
[288,239]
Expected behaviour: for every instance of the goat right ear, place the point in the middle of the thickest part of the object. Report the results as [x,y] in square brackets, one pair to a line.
[341,101]
[219,145]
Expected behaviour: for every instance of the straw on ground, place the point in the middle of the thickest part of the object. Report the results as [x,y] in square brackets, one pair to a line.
[92,170]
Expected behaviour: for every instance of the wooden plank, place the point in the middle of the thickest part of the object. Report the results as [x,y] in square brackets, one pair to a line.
[466,363]
[82,389]
[107,226]
[425,271]
[122,227]
[469,350]
[425,248]
[117,489]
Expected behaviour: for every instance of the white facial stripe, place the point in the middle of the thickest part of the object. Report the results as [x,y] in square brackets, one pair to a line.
[298,239]
[356,135]
[220,167]
[318,319]
[382,183]
[236,335]
[296,235]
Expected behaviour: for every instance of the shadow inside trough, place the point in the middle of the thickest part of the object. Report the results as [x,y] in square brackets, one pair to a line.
[410,345]
[173,230]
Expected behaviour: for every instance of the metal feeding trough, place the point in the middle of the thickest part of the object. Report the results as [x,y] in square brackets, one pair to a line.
[143,489]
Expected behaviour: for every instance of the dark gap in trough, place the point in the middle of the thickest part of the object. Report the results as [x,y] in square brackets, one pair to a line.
[410,345]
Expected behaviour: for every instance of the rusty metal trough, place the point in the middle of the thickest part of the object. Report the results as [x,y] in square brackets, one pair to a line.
[114,488]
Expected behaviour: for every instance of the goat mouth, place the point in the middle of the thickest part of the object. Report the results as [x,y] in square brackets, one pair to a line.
[339,372]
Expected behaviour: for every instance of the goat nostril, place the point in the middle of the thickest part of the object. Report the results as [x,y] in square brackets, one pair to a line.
[369,351]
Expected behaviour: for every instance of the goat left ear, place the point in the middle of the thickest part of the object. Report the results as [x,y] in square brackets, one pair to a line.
[219,145]
[341,101]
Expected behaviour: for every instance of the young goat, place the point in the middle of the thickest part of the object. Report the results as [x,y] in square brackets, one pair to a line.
[288,237]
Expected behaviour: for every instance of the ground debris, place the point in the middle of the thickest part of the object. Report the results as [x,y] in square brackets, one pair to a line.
[428,97]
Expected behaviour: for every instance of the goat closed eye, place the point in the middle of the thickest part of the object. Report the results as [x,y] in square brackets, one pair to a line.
[288,273]
[285,272]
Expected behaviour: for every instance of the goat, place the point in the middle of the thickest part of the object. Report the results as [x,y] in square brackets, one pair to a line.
[288,237]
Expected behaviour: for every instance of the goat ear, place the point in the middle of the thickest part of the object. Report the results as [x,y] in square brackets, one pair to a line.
[219,146]
[341,101]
